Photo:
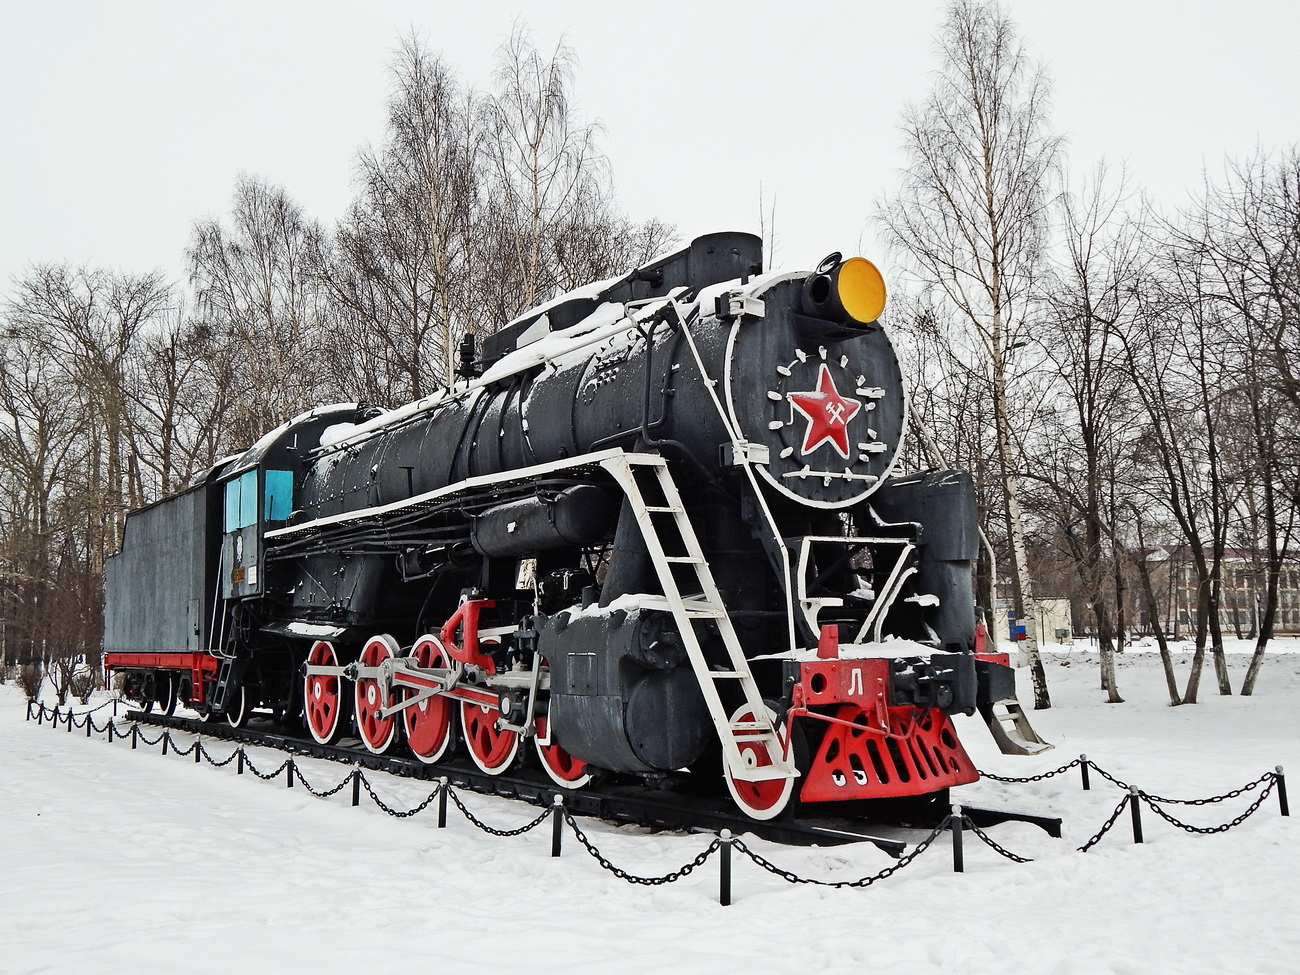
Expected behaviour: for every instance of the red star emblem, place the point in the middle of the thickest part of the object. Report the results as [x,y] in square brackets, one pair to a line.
[828,414]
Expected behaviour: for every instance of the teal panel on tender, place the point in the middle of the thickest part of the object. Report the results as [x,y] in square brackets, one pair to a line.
[232,505]
[279,495]
[248,499]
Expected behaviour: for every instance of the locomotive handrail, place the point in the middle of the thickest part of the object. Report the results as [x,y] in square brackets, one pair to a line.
[746,465]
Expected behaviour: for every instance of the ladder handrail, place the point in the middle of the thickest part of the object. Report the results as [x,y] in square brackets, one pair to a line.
[708,606]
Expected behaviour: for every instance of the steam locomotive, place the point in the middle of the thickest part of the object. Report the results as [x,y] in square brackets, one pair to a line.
[654,529]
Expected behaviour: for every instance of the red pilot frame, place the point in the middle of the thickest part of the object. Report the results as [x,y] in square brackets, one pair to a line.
[872,748]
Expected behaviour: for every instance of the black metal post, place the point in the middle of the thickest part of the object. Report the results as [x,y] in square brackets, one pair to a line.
[724,868]
[442,803]
[1281,791]
[115,700]
[135,735]
[111,728]
[29,709]
[69,720]
[557,824]
[89,724]
[955,823]
[239,764]
[288,774]
[1083,770]
[40,715]
[166,738]
[198,748]
[356,787]
[1135,805]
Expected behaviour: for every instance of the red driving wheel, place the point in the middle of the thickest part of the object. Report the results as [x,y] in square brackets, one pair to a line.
[322,700]
[563,768]
[492,749]
[428,724]
[376,733]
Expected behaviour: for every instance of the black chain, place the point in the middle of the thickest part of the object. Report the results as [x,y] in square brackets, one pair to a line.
[1033,778]
[1266,777]
[1096,837]
[297,774]
[484,826]
[157,741]
[389,809]
[182,751]
[994,844]
[82,714]
[889,871]
[213,762]
[632,878]
[266,776]
[1222,827]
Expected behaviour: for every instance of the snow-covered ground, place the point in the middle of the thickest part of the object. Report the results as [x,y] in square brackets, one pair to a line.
[113,860]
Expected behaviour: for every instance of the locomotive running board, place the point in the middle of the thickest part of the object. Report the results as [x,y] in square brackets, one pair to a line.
[1011,729]
[659,522]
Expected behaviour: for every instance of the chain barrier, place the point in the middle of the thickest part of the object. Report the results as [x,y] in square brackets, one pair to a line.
[889,871]
[214,763]
[451,793]
[632,878]
[1266,777]
[109,703]
[1222,827]
[1105,827]
[1033,778]
[266,776]
[297,774]
[157,741]
[1266,784]
[182,751]
[993,844]
[397,813]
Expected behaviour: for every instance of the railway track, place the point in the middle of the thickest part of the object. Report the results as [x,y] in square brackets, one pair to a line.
[613,802]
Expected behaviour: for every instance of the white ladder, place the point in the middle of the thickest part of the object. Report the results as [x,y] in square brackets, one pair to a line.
[665,527]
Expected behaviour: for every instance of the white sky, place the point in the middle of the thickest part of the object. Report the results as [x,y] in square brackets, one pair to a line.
[121,123]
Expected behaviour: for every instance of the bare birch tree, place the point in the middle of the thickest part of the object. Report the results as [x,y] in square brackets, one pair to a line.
[972,214]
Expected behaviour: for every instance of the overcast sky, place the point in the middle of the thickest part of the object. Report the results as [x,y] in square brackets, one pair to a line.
[123,122]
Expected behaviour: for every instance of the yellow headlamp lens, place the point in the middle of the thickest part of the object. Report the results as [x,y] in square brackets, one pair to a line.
[861,289]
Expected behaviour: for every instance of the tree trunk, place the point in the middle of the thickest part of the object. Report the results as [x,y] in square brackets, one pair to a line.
[1153,613]
[1026,615]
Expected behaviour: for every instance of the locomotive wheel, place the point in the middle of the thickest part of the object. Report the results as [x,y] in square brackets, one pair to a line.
[376,733]
[564,770]
[493,750]
[237,712]
[761,800]
[323,697]
[428,724]
[168,695]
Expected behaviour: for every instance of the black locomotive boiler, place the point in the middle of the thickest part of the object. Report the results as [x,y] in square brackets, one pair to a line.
[654,529]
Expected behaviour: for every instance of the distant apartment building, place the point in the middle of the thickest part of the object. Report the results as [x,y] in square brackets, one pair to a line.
[1242,594]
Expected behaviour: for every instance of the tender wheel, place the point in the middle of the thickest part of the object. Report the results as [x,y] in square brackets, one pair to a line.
[323,700]
[564,770]
[759,800]
[168,694]
[376,733]
[429,724]
[493,751]
[237,712]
